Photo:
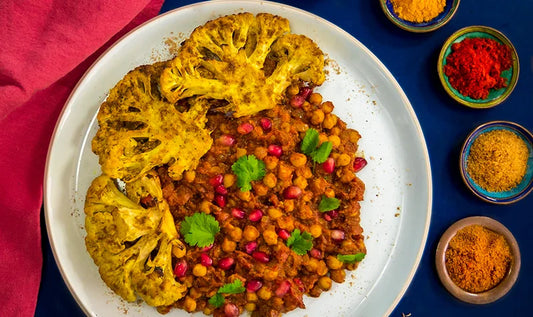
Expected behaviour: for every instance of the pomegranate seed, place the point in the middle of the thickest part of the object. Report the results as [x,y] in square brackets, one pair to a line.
[359,163]
[226,139]
[226,263]
[207,248]
[284,234]
[181,268]
[297,101]
[245,128]
[250,247]
[333,214]
[220,189]
[283,288]
[255,215]
[292,192]
[275,150]
[300,284]
[205,260]
[315,253]
[237,213]
[231,310]
[327,217]
[266,124]
[329,165]
[337,235]
[216,180]
[305,92]
[220,201]
[261,256]
[253,285]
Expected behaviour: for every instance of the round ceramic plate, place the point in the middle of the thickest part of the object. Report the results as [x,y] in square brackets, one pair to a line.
[397,208]
[503,287]
[437,22]
[496,96]
[505,197]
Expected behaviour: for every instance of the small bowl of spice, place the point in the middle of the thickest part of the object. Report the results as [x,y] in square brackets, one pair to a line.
[419,15]
[496,162]
[478,260]
[478,67]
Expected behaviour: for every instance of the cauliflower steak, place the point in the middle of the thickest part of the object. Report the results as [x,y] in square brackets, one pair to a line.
[132,238]
[244,59]
[138,130]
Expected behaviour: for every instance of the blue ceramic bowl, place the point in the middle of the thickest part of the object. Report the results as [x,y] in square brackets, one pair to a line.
[496,96]
[506,197]
[437,22]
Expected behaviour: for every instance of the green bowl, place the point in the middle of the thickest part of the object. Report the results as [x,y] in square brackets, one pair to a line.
[496,96]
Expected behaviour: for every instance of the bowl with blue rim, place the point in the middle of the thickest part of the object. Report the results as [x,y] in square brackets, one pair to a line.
[516,193]
[427,26]
[495,96]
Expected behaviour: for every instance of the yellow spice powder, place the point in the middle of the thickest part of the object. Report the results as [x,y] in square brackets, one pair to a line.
[498,160]
[418,11]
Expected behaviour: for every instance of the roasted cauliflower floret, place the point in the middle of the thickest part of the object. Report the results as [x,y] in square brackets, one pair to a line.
[244,59]
[138,130]
[133,245]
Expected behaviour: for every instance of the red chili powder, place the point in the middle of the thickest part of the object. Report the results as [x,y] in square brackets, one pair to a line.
[475,66]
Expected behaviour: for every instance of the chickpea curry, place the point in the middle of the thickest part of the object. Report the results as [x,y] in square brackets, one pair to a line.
[259,213]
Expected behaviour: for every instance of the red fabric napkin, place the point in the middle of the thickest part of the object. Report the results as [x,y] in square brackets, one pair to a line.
[45,47]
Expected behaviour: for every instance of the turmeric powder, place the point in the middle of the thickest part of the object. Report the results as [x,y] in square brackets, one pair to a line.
[418,11]
[477,259]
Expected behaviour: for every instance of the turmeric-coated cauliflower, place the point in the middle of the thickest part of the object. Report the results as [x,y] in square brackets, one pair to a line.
[244,59]
[132,238]
[139,131]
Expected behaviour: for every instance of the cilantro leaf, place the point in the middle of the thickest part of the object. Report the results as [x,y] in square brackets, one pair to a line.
[217,300]
[351,258]
[248,168]
[300,242]
[232,288]
[309,142]
[328,203]
[321,154]
[199,229]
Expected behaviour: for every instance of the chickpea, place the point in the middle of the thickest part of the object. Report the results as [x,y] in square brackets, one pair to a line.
[270,274]
[250,233]
[300,182]
[311,265]
[228,245]
[270,237]
[315,98]
[288,205]
[178,249]
[260,189]
[274,213]
[330,120]
[251,296]
[270,180]
[229,180]
[293,90]
[235,234]
[249,307]
[343,160]
[306,106]
[315,230]
[298,159]
[277,302]
[324,283]
[327,106]
[306,172]
[199,270]
[306,212]
[307,196]
[240,152]
[204,206]
[335,130]
[286,223]
[347,176]
[285,126]
[244,196]
[207,311]
[322,268]
[189,304]
[335,140]
[329,192]
[333,262]
[337,275]
[317,117]
[264,293]
[284,171]
[189,176]
[271,162]
[322,138]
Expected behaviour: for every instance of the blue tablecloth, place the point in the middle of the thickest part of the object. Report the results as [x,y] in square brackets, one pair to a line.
[412,59]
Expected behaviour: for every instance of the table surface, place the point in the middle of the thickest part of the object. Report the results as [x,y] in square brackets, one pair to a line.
[412,59]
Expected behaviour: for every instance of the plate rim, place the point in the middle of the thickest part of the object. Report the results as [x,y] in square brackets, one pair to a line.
[409,108]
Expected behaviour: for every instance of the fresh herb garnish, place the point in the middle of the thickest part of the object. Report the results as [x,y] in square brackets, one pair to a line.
[328,203]
[248,168]
[199,229]
[351,258]
[309,146]
[235,287]
[300,242]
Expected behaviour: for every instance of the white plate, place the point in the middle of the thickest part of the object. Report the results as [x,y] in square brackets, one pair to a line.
[397,207]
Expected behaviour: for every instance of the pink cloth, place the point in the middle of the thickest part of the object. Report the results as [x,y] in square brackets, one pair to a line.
[45,47]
